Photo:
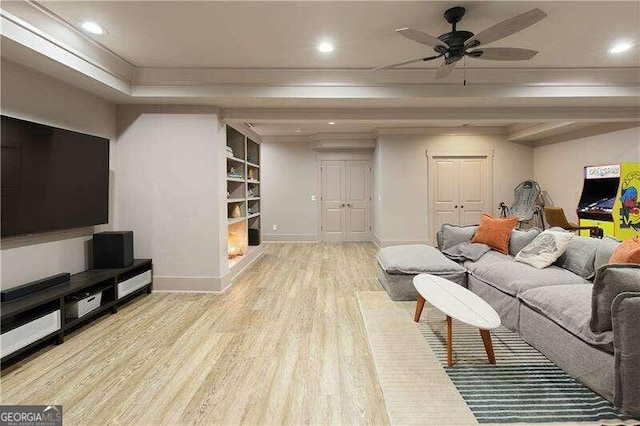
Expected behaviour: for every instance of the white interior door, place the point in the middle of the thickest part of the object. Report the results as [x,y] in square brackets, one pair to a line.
[445,200]
[473,190]
[461,190]
[333,200]
[358,200]
[346,200]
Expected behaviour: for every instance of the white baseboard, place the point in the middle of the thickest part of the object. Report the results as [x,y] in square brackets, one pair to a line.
[311,238]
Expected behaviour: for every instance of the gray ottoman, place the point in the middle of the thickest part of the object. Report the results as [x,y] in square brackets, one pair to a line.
[399,264]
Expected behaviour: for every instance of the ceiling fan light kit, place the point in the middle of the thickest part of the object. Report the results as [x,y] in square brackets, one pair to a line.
[455,44]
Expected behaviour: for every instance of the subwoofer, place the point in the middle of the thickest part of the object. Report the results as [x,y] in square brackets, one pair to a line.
[112,249]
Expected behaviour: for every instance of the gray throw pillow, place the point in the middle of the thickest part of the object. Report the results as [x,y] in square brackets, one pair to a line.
[610,281]
[605,249]
[580,256]
[452,235]
[521,239]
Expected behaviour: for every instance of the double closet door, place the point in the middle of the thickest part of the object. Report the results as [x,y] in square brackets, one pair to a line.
[346,200]
[461,190]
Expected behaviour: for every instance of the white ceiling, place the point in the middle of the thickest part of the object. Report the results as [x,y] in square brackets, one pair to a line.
[257,60]
[270,34]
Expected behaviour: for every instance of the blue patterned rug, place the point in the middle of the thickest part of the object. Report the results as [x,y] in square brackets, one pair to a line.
[524,386]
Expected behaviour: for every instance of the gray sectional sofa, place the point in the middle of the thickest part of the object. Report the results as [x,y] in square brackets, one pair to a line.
[583,314]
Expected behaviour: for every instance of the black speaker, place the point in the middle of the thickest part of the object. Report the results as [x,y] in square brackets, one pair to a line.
[112,250]
[254,237]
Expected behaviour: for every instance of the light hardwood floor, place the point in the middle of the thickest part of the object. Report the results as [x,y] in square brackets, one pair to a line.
[286,344]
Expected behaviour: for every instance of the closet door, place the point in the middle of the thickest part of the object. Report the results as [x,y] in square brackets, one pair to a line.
[446,192]
[358,200]
[333,200]
[473,190]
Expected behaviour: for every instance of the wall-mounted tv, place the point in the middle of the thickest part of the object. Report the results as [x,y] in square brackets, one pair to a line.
[52,179]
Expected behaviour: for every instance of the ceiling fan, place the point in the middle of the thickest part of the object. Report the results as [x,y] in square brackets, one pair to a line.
[455,44]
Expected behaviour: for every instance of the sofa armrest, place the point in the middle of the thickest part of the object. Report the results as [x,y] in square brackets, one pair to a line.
[625,312]
[610,281]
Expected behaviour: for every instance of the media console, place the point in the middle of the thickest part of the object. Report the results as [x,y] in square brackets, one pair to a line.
[38,317]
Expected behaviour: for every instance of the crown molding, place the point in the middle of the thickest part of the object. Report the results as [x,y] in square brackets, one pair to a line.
[26,39]
[354,137]
[440,131]
[403,116]
[331,77]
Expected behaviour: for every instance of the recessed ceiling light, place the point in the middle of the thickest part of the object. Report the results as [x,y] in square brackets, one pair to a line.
[297,130]
[325,47]
[331,123]
[93,28]
[620,47]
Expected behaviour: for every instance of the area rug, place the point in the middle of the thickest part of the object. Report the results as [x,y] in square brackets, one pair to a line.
[524,386]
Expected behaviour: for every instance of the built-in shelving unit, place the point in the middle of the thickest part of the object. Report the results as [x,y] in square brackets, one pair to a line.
[243,196]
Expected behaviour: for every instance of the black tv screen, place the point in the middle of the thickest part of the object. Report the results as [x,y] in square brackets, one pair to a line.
[52,179]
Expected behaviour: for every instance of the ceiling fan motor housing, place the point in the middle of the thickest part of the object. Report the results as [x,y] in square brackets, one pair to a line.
[455,40]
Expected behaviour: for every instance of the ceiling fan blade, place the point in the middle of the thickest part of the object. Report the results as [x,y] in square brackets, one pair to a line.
[503,54]
[506,28]
[445,69]
[411,61]
[421,37]
[397,65]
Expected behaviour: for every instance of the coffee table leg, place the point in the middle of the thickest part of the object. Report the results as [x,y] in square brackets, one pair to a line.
[449,342]
[419,307]
[488,346]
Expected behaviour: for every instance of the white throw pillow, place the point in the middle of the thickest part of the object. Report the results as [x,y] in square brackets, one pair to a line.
[545,248]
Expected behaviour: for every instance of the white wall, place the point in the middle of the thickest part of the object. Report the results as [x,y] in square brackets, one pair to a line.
[559,167]
[170,192]
[289,178]
[401,209]
[29,95]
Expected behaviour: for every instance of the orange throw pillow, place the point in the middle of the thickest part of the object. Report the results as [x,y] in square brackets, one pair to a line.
[495,233]
[627,252]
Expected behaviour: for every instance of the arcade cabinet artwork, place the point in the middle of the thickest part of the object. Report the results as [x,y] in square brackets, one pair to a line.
[610,199]
[627,207]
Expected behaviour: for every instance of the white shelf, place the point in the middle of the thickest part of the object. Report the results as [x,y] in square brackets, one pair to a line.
[252,181]
[253,199]
[235,200]
[253,165]
[234,220]
[230,179]
[253,215]
[236,159]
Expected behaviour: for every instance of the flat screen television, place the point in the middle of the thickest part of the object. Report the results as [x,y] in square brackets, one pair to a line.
[52,179]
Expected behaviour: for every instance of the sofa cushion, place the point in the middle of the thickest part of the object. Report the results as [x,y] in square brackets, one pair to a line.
[580,256]
[515,277]
[569,306]
[487,259]
[495,232]
[416,259]
[604,251]
[545,249]
[466,251]
[521,239]
[627,252]
[452,235]
[610,281]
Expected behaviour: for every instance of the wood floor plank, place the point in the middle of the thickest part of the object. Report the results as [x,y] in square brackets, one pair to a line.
[285,345]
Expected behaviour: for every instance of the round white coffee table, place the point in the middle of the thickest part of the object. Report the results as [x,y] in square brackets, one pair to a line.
[457,302]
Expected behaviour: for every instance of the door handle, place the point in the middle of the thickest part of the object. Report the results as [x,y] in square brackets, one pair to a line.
[462,207]
[342,205]
[349,205]
[455,207]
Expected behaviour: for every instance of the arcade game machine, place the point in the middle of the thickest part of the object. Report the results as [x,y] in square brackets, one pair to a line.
[609,200]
